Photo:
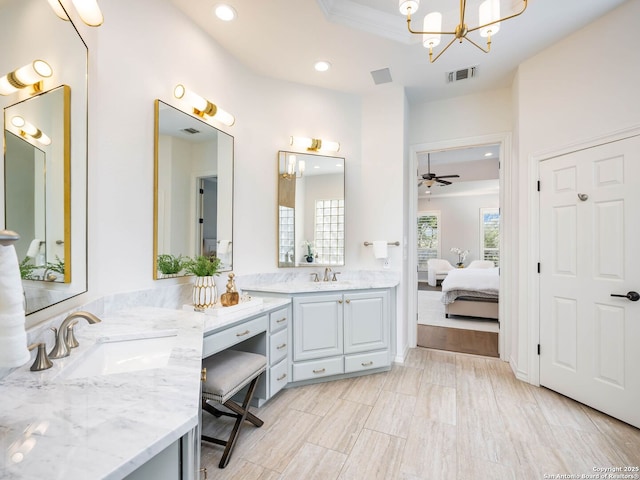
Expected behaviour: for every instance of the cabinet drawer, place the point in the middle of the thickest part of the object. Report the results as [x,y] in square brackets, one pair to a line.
[366,361]
[278,347]
[239,333]
[278,377]
[278,319]
[318,368]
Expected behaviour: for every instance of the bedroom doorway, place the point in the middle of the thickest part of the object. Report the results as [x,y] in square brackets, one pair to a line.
[458,222]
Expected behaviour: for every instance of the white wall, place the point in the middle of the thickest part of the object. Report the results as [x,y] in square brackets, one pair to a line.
[584,87]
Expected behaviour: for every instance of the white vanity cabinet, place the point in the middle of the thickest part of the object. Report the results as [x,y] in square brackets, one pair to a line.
[278,371]
[340,333]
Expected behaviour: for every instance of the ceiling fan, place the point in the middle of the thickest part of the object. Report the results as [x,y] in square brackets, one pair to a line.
[430,178]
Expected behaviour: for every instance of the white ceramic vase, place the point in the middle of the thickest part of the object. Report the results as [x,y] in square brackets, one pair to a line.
[204,292]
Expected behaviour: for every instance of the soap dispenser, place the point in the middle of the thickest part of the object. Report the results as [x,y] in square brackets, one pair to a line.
[231,296]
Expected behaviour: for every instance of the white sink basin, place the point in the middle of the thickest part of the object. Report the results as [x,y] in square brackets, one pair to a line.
[124,355]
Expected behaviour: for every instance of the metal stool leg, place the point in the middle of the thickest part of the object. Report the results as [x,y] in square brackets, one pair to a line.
[241,413]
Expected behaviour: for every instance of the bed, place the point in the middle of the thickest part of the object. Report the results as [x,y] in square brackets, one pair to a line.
[471,292]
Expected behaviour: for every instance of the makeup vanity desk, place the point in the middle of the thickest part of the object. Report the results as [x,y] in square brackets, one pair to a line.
[262,329]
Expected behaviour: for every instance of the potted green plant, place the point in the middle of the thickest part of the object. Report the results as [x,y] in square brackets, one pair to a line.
[26,269]
[170,265]
[204,288]
[309,255]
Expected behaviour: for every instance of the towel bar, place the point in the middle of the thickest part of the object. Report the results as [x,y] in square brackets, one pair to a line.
[396,244]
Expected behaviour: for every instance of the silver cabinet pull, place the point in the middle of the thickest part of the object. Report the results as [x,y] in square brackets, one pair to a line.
[322,370]
[348,301]
[280,347]
[282,377]
[340,301]
[246,332]
[367,364]
[283,319]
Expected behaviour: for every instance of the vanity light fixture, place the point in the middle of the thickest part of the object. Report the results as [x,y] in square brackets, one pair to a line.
[314,144]
[88,10]
[59,11]
[489,19]
[30,130]
[291,168]
[29,75]
[203,107]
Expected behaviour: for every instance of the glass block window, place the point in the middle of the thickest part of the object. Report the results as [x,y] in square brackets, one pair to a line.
[329,232]
[490,234]
[428,238]
[287,241]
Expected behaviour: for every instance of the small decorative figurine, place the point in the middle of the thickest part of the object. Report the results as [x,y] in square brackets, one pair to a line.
[231,296]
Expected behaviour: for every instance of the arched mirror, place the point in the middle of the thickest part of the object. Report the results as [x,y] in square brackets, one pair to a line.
[310,210]
[44,174]
[193,194]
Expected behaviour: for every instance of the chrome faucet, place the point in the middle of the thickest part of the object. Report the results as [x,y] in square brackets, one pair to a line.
[327,270]
[61,348]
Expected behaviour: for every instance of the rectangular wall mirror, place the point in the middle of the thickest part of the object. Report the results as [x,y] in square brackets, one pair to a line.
[43,179]
[37,184]
[193,190]
[310,210]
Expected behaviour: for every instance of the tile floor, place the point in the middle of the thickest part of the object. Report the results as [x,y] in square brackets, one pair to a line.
[440,415]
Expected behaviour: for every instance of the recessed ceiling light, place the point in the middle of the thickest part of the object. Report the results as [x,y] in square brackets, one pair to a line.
[488,154]
[322,66]
[224,12]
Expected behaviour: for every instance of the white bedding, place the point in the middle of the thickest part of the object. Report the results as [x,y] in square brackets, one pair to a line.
[471,282]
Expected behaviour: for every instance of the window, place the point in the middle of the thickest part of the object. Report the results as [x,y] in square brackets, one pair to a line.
[490,235]
[428,238]
[286,235]
[329,232]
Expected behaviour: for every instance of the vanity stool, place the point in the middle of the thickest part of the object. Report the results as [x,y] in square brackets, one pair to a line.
[225,374]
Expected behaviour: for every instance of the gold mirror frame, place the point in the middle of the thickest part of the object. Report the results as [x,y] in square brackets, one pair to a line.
[60,147]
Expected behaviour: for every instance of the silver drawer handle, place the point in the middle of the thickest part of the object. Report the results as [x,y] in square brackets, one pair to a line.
[367,364]
[246,332]
[283,319]
[322,370]
[282,377]
[280,347]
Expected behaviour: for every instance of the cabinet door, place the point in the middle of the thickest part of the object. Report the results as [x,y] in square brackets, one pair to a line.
[366,321]
[317,326]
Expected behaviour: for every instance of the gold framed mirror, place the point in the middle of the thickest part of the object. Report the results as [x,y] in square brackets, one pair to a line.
[193,191]
[311,210]
[57,107]
[37,183]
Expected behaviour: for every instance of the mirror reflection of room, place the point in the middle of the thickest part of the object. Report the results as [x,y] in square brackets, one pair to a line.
[36,191]
[193,198]
[311,210]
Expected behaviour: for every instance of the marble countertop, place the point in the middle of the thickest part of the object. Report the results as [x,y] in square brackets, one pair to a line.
[302,282]
[104,426]
[311,287]
[55,427]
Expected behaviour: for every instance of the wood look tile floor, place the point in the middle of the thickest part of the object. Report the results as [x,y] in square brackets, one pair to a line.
[440,415]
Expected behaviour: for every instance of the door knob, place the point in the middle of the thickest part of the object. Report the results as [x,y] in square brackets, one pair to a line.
[633,296]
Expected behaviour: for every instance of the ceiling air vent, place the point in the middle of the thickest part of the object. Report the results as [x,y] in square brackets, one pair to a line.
[190,130]
[381,76]
[463,74]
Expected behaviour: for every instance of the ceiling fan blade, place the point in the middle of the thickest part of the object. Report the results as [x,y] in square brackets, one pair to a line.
[428,176]
[448,176]
[444,182]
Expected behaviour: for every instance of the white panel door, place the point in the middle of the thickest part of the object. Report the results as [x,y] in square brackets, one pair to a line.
[589,251]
